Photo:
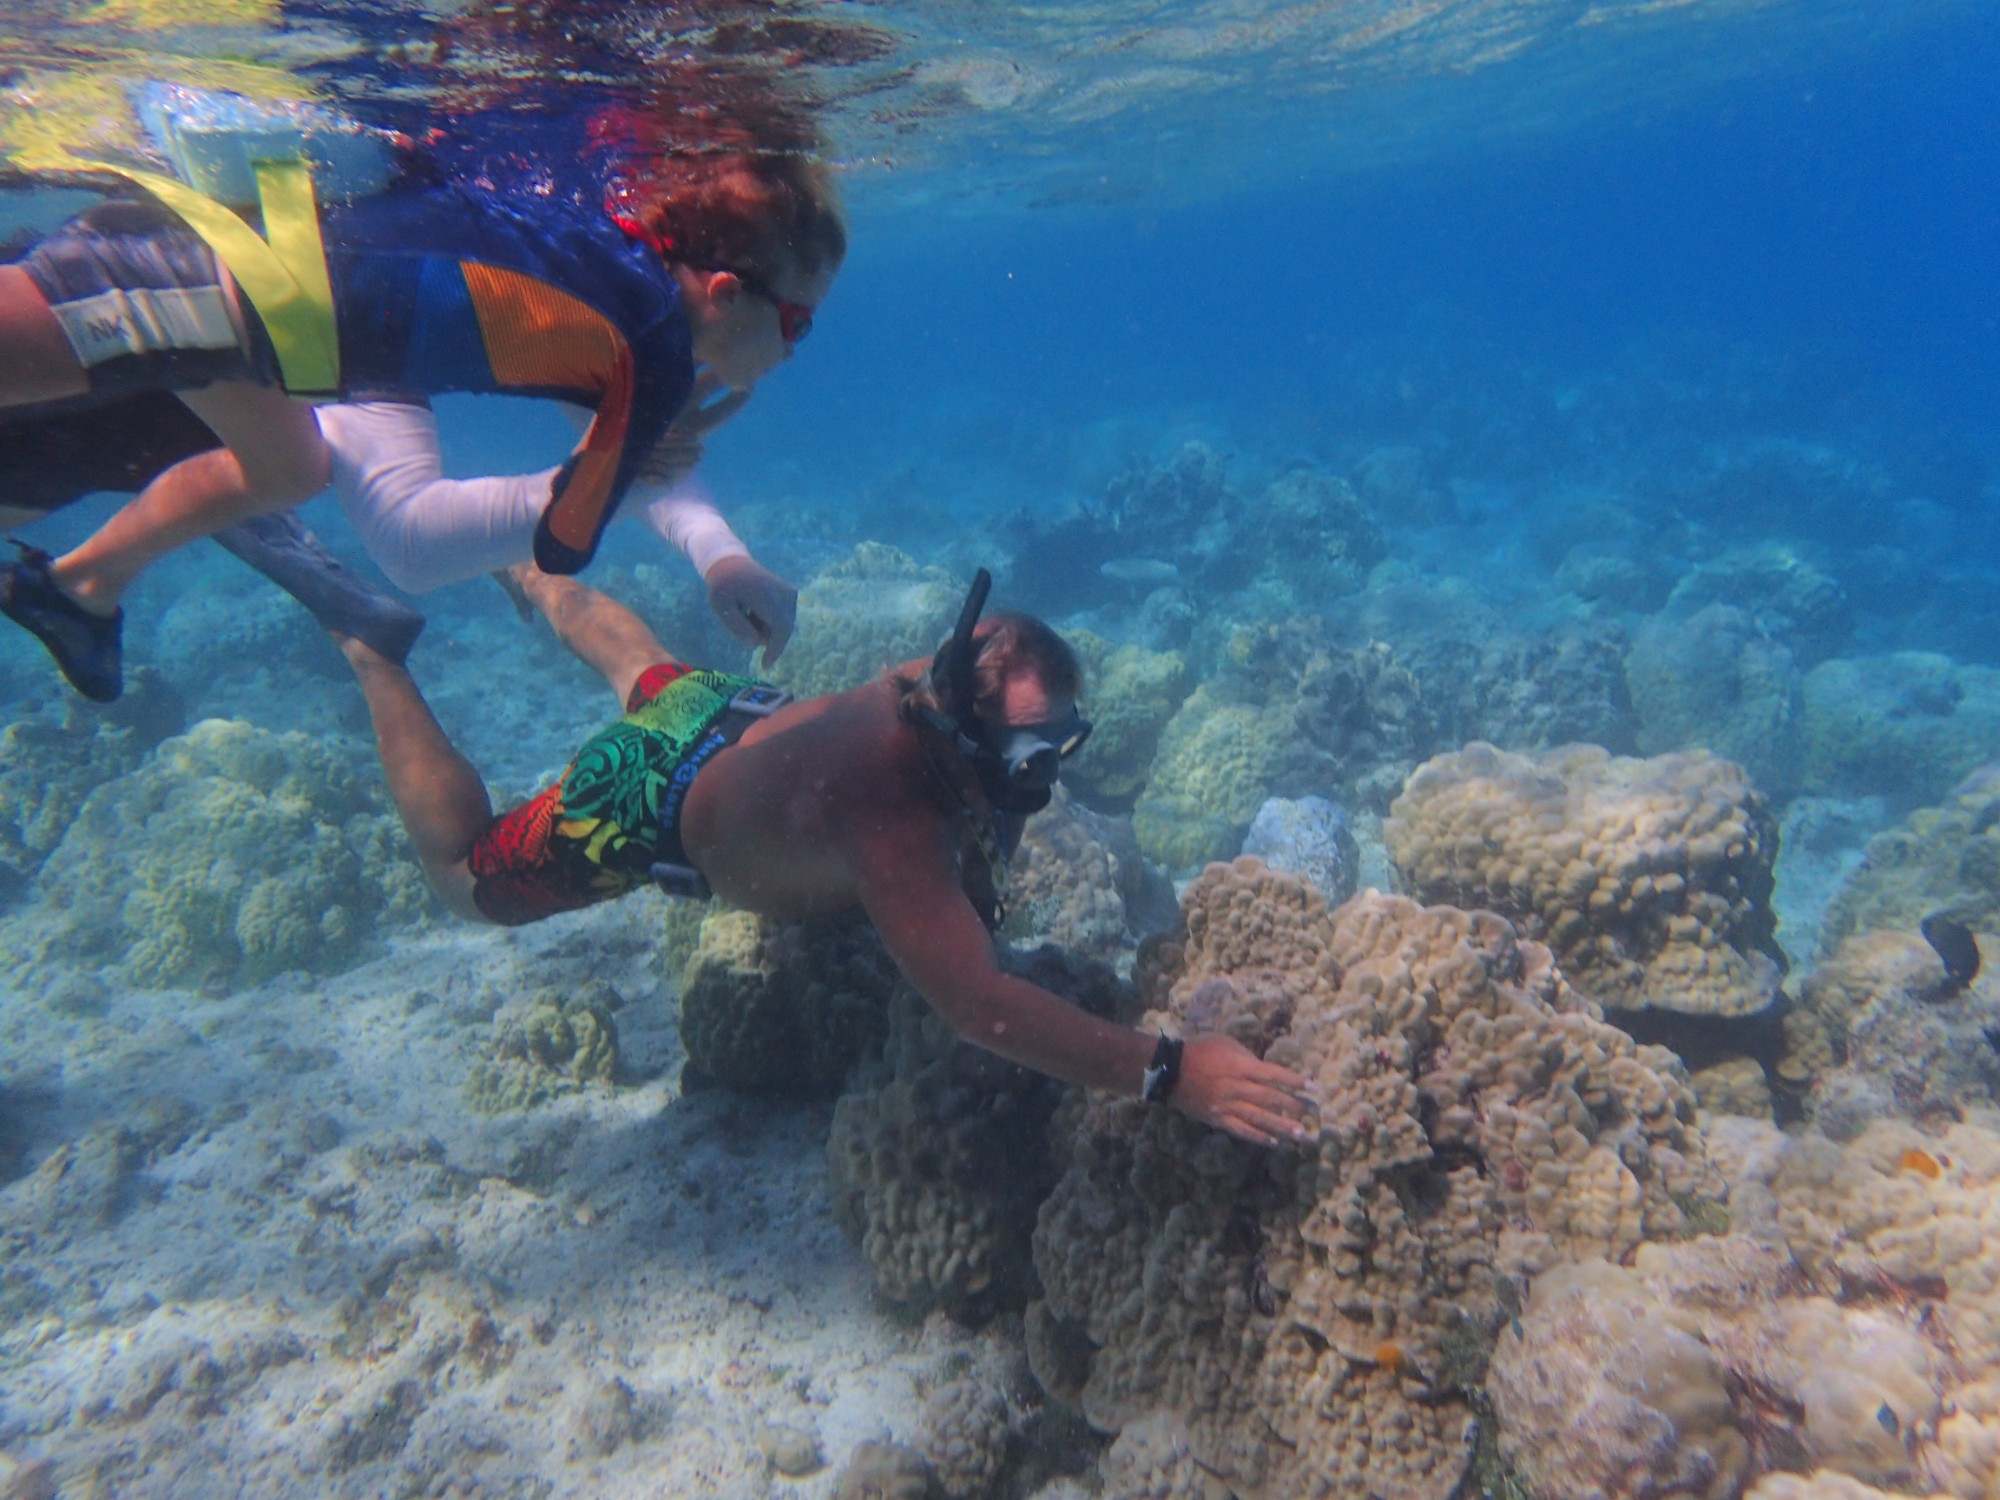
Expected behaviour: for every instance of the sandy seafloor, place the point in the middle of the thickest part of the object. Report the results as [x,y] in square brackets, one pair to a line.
[281,1225]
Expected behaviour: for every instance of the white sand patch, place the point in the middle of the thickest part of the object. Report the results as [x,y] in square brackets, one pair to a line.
[261,1245]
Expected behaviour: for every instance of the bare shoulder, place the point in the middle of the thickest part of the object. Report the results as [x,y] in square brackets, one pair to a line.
[885,779]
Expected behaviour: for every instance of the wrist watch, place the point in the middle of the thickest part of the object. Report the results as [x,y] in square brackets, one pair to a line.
[1164,1071]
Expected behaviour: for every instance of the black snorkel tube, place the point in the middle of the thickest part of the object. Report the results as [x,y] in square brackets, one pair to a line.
[952,668]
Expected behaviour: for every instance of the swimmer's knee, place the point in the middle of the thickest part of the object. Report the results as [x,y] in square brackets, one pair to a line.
[290,473]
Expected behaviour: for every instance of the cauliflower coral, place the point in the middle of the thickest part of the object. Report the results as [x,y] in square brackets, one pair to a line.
[1315,1323]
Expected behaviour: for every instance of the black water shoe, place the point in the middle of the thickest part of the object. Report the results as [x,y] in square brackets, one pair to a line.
[86,646]
[284,550]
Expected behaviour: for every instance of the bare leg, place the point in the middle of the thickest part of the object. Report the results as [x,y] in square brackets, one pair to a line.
[38,363]
[275,459]
[442,801]
[602,632]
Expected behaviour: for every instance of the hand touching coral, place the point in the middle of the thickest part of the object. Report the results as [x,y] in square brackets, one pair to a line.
[754,604]
[1225,1084]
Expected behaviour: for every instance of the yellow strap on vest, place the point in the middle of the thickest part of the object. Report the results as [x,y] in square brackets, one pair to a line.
[284,277]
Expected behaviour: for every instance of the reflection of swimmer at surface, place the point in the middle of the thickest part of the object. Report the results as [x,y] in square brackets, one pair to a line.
[893,798]
[432,288]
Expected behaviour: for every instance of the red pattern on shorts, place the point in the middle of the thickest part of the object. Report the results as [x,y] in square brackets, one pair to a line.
[653,681]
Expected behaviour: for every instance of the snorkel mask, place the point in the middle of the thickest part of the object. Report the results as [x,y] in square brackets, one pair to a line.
[1018,764]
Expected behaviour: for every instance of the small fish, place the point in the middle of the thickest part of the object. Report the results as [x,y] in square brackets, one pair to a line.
[1140,570]
[1920,1162]
[1956,948]
[1887,1418]
[1389,1356]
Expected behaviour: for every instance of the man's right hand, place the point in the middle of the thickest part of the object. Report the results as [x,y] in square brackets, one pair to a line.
[1224,1084]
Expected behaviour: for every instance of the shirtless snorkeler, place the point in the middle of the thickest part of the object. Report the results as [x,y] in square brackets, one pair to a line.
[895,798]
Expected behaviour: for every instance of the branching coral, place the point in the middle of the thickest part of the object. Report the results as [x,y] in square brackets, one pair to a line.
[1651,879]
[1305,1319]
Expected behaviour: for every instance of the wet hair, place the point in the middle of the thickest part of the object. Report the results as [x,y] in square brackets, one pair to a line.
[767,213]
[1009,644]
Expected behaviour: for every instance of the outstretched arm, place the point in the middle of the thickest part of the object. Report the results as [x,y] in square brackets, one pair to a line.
[934,935]
[425,530]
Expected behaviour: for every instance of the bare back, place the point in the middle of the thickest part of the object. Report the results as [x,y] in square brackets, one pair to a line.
[792,820]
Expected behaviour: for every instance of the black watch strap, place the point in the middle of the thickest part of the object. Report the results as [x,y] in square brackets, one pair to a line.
[1164,1071]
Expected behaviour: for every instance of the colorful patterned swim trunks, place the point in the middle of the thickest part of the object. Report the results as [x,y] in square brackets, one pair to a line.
[615,812]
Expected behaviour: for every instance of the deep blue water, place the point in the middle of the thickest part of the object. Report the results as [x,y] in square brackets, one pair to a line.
[1821,242]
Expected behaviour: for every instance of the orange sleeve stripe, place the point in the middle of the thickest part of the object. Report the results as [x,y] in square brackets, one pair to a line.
[538,336]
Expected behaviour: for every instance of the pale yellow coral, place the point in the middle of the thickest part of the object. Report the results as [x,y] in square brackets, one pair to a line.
[872,609]
[1651,879]
[231,854]
[1215,767]
[1131,693]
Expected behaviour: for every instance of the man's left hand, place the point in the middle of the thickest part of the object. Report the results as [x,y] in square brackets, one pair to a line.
[754,604]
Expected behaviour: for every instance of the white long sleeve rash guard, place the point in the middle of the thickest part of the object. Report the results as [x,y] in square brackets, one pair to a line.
[424,530]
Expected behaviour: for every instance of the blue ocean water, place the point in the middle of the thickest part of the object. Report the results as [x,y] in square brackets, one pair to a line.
[1372,383]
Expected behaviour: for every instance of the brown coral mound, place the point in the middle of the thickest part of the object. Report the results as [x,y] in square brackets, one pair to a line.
[1313,1323]
[1651,879]
[939,1153]
[783,1008]
[1879,1031]
[1944,858]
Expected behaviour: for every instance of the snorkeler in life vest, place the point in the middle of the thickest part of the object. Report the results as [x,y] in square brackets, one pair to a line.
[420,288]
[898,798]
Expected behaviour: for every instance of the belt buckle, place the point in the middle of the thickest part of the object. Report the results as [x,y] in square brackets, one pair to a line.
[759,700]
